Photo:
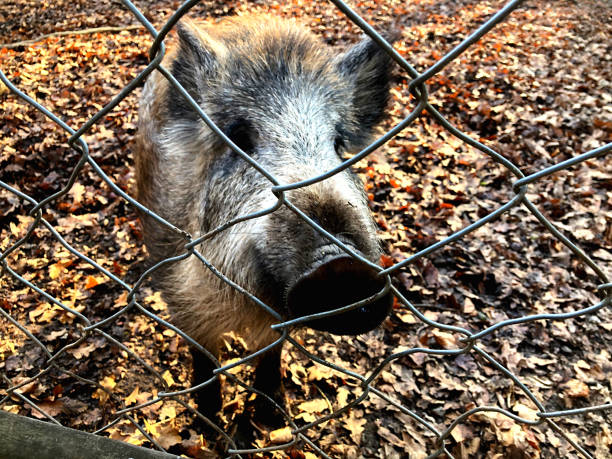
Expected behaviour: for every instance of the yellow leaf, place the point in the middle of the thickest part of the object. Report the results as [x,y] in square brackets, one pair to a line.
[342,396]
[101,395]
[133,397]
[155,301]
[57,268]
[11,408]
[168,378]
[319,372]
[151,427]
[167,412]
[108,383]
[14,229]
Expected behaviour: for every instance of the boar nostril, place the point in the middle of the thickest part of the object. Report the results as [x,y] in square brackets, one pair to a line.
[336,283]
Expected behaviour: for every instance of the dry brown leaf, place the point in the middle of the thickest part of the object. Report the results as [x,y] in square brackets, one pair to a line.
[127,432]
[51,408]
[45,312]
[525,412]
[83,350]
[168,435]
[575,389]
[77,191]
[444,339]
[355,424]
[282,435]
[313,406]
[462,432]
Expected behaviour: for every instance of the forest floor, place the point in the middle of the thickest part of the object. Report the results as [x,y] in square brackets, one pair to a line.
[537,89]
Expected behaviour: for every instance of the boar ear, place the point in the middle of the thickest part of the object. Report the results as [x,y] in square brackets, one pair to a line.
[367,67]
[193,66]
[196,47]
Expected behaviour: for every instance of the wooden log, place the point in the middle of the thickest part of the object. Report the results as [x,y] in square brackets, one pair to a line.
[25,438]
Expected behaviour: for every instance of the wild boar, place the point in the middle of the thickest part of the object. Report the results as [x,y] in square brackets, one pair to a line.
[295,107]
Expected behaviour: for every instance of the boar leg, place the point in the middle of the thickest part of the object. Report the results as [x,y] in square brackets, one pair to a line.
[268,381]
[261,411]
[208,398]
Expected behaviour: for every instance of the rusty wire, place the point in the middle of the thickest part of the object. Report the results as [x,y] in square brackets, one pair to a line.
[469,340]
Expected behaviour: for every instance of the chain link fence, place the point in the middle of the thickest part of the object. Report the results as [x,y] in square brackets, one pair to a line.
[469,342]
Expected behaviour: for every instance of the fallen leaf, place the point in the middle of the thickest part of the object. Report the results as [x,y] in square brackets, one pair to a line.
[168,378]
[281,436]
[444,339]
[575,389]
[355,424]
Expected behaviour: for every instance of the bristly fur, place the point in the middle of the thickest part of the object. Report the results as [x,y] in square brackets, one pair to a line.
[290,103]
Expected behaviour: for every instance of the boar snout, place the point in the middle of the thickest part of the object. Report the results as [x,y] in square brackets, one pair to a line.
[336,282]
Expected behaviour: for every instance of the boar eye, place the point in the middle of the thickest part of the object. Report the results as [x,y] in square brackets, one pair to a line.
[339,145]
[242,134]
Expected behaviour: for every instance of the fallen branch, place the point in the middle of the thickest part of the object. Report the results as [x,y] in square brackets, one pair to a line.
[69,32]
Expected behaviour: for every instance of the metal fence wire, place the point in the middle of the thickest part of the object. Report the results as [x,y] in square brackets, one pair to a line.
[469,343]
